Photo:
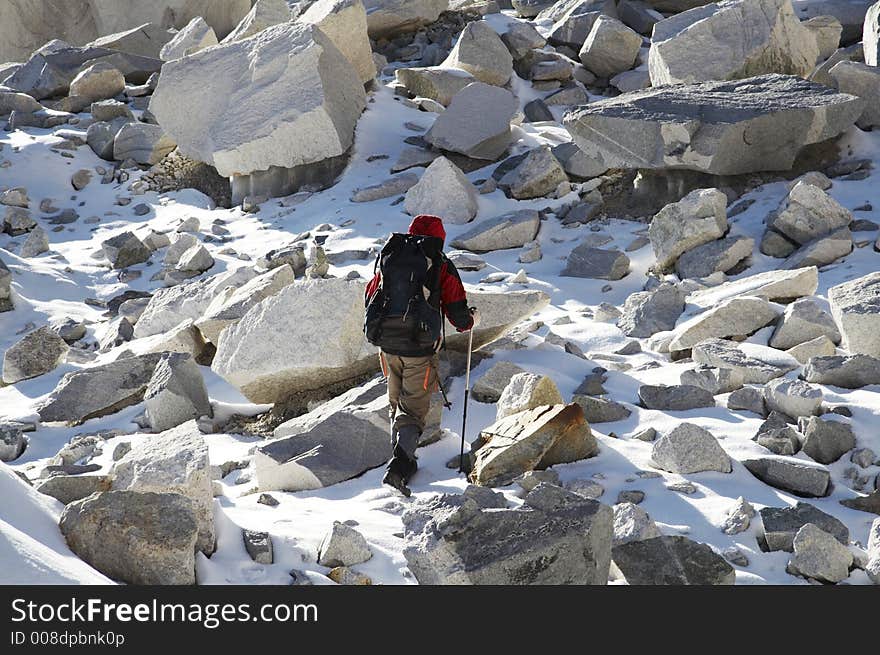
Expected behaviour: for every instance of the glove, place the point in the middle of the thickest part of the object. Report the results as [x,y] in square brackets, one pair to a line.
[475,314]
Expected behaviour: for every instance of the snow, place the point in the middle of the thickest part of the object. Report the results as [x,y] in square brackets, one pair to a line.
[55,286]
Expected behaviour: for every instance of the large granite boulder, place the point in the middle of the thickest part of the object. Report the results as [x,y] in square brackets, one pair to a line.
[610,48]
[391,17]
[819,556]
[737,317]
[779,525]
[647,312]
[532,439]
[443,190]
[556,537]
[481,52]
[846,371]
[757,364]
[254,117]
[672,560]
[690,449]
[860,80]
[196,35]
[729,40]
[526,391]
[263,15]
[345,23]
[174,461]
[35,354]
[6,304]
[804,320]
[511,230]
[724,128]
[776,286]
[138,538]
[435,82]
[176,393]
[855,306]
[791,475]
[700,217]
[871,35]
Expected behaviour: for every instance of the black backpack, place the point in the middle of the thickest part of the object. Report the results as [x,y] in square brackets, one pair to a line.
[403,316]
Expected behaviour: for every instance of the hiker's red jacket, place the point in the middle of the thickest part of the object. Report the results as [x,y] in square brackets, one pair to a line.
[453,299]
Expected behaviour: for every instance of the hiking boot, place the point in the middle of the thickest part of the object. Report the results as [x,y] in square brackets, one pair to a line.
[394,479]
[400,469]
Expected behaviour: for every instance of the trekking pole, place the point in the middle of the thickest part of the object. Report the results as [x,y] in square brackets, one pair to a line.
[467,387]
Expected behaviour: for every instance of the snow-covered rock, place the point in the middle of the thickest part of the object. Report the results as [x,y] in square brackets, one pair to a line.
[526,391]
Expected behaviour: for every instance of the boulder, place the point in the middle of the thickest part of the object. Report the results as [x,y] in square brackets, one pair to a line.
[12,442]
[807,213]
[714,380]
[101,136]
[714,257]
[855,306]
[827,441]
[791,475]
[638,15]
[819,347]
[526,391]
[577,164]
[747,398]
[68,488]
[258,546]
[873,567]
[647,312]
[481,52]
[99,390]
[573,21]
[443,190]
[846,371]
[263,15]
[169,307]
[232,303]
[146,40]
[871,35]
[6,304]
[174,461]
[196,35]
[698,218]
[390,17]
[98,82]
[325,446]
[793,398]
[532,439]
[741,126]
[688,448]
[35,354]
[601,410]
[538,173]
[195,260]
[736,317]
[757,364]
[863,81]
[343,546]
[779,525]
[18,221]
[632,523]
[671,561]
[345,23]
[144,143]
[675,398]
[511,230]
[555,537]
[125,250]
[476,123]
[435,82]
[595,263]
[804,320]
[12,101]
[488,388]
[254,117]
[779,286]
[610,48]
[176,393]
[738,38]
[521,38]
[819,556]
[531,8]
[133,537]
[777,436]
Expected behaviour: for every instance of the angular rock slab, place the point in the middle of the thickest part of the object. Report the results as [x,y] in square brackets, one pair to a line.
[791,475]
[345,23]
[255,116]
[389,17]
[698,218]
[855,306]
[781,524]
[556,537]
[845,371]
[757,364]
[35,354]
[138,538]
[724,128]
[511,230]
[737,317]
[690,449]
[672,561]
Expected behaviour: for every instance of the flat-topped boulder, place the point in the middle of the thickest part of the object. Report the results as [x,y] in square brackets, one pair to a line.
[391,17]
[719,127]
[777,286]
[736,317]
[791,475]
[846,371]
[757,364]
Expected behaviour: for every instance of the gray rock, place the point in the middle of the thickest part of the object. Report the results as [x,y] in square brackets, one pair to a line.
[863,81]
[641,129]
[672,561]
[600,410]
[37,243]
[819,556]
[343,546]
[196,35]
[435,82]
[738,517]
[531,479]
[138,538]
[511,230]
[713,257]
[749,399]
[394,186]
[792,397]
[12,442]
[846,371]
[259,546]
[675,398]
[576,163]
[698,218]
[777,436]
[791,475]
[101,136]
[821,250]
[125,250]
[268,499]
[69,488]
[632,523]
[827,441]
[690,449]
[392,17]
[714,380]
[35,354]
[808,213]
[556,537]
[639,16]
[574,19]
[779,286]
[758,364]
[537,174]
[481,52]
[99,390]
[586,488]
[746,37]
[647,312]
[869,503]
[736,317]
[12,101]
[176,393]
[97,82]
[488,388]
[476,123]
[818,347]
[443,189]
[610,48]
[143,143]
[871,35]
[18,221]
[855,305]
[174,461]
[803,320]
[595,263]
[781,524]
[522,37]
[531,8]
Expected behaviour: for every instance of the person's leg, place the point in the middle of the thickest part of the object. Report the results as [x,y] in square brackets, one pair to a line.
[418,381]
[392,366]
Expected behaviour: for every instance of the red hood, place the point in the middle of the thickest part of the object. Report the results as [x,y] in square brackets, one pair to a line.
[427,225]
